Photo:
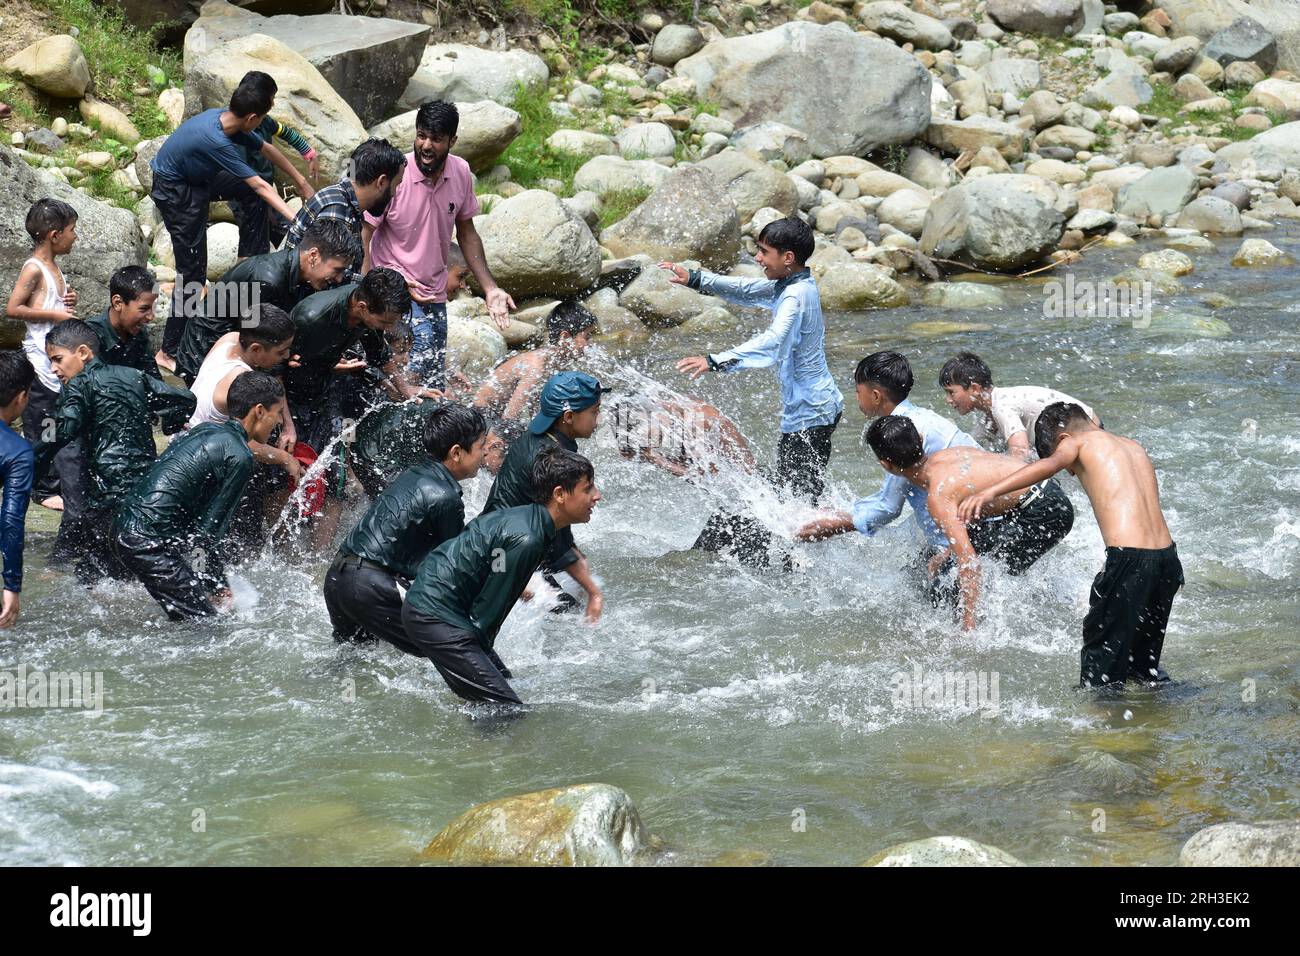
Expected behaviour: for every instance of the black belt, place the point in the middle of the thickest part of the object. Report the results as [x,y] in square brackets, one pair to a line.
[356,561]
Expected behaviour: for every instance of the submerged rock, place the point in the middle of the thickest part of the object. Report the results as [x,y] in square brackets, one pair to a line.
[1255,253]
[590,824]
[1269,843]
[943,851]
[963,295]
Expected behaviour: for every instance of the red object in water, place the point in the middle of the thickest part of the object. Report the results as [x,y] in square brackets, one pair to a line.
[312,502]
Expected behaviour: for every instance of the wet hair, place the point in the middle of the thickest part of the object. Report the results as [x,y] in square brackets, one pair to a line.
[558,467]
[250,389]
[965,369]
[255,95]
[449,425]
[131,282]
[456,258]
[332,239]
[16,375]
[790,234]
[895,439]
[46,216]
[71,333]
[569,316]
[1052,420]
[374,158]
[272,327]
[384,291]
[888,370]
[437,117]
[509,430]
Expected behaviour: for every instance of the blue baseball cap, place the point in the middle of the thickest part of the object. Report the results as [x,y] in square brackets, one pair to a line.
[565,392]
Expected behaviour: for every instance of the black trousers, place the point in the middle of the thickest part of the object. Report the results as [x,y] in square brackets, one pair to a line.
[364,604]
[87,540]
[743,537]
[65,476]
[165,572]
[184,211]
[472,671]
[801,460]
[272,227]
[1124,630]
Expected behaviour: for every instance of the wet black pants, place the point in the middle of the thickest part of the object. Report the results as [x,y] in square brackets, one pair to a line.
[166,574]
[465,664]
[1124,631]
[801,460]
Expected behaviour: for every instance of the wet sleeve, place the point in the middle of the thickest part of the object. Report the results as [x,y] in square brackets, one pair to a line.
[563,551]
[502,588]
[765,348]
[172,405]
[294,138]
[378,354]
[13,517]
[70,415]
[215,520]
[1007,420]
[872,513]
[735,289]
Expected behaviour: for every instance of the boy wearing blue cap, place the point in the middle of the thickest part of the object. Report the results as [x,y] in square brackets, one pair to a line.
[570,409]
[795,342]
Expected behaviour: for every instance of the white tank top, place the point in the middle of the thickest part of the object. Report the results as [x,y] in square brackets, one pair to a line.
[34,340]
[214,368]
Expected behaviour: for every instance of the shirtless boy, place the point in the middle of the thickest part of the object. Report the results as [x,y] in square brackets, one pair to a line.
[512,388]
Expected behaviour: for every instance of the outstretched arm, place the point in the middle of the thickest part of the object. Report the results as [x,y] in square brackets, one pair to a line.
[499,302]
[1067,451]
[828,525]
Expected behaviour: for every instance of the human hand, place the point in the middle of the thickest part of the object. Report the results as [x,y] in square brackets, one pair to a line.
[9,612]
[499,305]
[349,365]
[595,604]
[972,505]
[694,366]
[679,274]
[70,298]
[288,439]
[293,468]
[313,169]
[223,600]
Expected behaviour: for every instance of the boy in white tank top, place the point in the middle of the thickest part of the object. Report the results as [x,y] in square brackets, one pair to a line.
[41,298]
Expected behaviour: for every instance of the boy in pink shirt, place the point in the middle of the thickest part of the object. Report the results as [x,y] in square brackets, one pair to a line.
[435,196]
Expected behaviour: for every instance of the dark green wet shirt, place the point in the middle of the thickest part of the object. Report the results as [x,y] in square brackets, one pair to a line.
[189,495]
[275,274]
[514,487]
[390,438]
[416,513]
[473,580]
[133,352]
[111,408]
[323,336]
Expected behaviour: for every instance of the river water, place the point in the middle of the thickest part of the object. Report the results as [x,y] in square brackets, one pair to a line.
[750,713]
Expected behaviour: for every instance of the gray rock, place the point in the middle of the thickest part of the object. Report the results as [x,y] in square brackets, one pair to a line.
[1161,192]
[646,141]
[675,42]
[581,144]
[963,295]
[1012,75]
[961,28]
[957,136]
[943,851]
[1235,193]
[1244,73]
[1042,108]
[1094,16]
[458,72]
[1125,85]
[1118,24]
[536,246]
[660,303]
[750,183]
[1047,17]
[992,224]
[108,237]
[688,216]
[41,140]
[1244,40]
[899,22]
[1091,220]
[1268,843]
[54,65]
[607,175]
[1176,56]
[769,141]
[1278,147]
[486,130]
[857,286]
[790,74]
[586,206]
[1213,215]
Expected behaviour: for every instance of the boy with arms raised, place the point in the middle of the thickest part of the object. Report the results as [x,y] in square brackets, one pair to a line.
[110,407]
[570,409]
[1124,630]
[1018,527]
[184,503]
[1004,415]
[811,404]
[16,377]
[419,511]
[466,586]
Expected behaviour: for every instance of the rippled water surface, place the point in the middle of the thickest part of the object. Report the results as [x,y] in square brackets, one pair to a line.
[744,711]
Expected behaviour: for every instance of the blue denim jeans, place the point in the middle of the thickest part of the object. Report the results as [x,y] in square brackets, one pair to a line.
[428,325]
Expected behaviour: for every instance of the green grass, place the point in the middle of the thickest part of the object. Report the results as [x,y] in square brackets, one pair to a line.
[528,158]
[618,205]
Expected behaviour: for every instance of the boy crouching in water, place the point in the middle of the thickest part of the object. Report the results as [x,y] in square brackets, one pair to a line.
[1124,630]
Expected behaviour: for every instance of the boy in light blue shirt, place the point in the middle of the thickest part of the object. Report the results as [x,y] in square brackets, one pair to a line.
[795,342]
[884,381]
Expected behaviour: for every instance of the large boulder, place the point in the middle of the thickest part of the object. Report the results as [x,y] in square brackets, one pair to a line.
[1243,41]
[675,42]
[457,71]
[536,246]
[857,286]
[610,175]
[171,18]
[474,347]
[1213,215]
[1204,18]
[660,303]
[305,99]
[107,237]
[899,22]
[486,130]
[1283,96]
[54,65]
[1161,192]
[590,824]
[1269,843]
[1013,75]
[688,216]
[992,224]
[790,74]
[1278,147]
[367,60]
[751,183]
[943,851]
[1054,18]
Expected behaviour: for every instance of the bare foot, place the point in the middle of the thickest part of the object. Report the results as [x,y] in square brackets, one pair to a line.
[54,503]
[165,361]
